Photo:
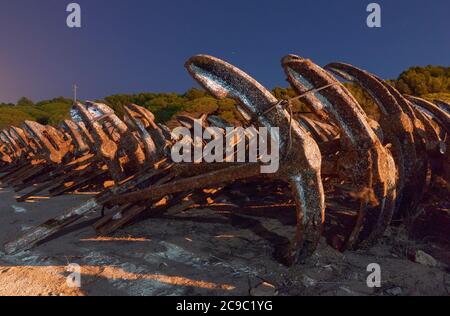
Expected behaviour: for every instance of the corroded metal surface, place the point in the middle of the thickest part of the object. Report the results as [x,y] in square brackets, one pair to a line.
[367,168]
[396,124]
[373,169]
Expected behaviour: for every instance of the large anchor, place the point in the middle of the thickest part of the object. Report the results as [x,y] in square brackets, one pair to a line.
[300,165]
[365,162]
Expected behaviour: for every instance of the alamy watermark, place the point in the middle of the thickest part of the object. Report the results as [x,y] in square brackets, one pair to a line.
[234,144]
[374,278]
[374,18]
[73,280]
[74,18]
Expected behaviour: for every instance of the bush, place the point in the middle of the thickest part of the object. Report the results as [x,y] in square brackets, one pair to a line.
[12,116]
[420,81]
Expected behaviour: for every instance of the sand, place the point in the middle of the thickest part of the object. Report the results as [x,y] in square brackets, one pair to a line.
[196,253]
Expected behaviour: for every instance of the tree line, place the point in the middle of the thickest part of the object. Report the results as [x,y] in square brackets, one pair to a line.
[430,82]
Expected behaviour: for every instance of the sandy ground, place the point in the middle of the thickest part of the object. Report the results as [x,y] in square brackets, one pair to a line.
[197,253]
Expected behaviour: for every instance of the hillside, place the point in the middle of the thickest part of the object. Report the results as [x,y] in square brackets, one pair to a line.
[431,82]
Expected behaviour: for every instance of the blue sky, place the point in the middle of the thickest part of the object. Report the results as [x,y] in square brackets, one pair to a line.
[141,45]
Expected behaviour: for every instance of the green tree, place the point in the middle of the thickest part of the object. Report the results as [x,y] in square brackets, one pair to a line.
[424,80]
[24,101]
[194,93]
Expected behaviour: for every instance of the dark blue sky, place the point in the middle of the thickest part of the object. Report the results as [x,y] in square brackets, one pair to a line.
[141,45]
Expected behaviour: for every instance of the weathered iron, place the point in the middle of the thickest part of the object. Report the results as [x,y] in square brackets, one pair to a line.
[396,125]
[373,169]
[369,164]
[300,168]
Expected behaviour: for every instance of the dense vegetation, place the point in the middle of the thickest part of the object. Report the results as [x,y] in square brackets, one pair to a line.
[44,112]
[431,82]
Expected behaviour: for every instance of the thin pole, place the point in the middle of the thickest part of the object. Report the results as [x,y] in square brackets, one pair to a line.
[75,87]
